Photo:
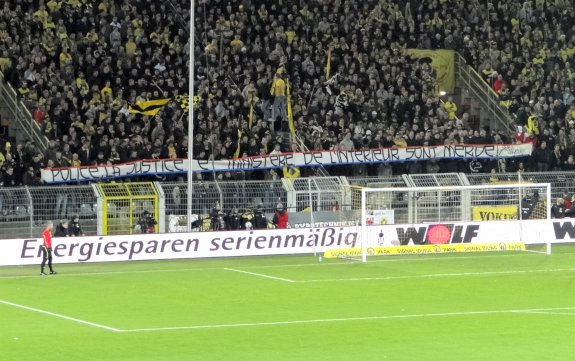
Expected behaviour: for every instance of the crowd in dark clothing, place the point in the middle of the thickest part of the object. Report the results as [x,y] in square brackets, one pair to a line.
[80,64]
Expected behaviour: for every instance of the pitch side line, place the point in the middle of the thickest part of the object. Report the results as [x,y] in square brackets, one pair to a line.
[333,320]
[60,275]
[423,258]
[260,275]
[547,313]
[543,311]
[243,270]
[59,316]
[438,275]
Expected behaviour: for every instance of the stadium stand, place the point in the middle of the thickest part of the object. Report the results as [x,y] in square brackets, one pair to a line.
[83,67]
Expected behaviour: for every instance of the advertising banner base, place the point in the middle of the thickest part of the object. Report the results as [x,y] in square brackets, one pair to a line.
[425,249]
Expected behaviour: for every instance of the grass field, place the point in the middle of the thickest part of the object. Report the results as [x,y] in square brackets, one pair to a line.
[515,306]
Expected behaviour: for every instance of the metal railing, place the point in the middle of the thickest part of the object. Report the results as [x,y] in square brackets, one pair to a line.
[309,201]
[560,181]
[379,182]
[469,79]
[458,203]
[437,180]
[21,120]
[25,210]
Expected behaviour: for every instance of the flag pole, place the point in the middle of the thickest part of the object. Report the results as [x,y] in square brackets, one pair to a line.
[190,114]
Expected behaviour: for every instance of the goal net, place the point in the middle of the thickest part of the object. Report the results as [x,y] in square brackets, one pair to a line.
[430,220]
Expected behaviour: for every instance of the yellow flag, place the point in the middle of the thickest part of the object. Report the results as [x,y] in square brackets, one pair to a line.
[443,61]
[237,153]
[251,117]
[289,111]
[148,107]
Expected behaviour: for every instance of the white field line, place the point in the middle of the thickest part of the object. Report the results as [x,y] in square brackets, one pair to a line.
[543,311]
[423,258]
[546,313]
[261,275]
[439,275]
[60,316]
[82,274]
[333,320]
[243,270]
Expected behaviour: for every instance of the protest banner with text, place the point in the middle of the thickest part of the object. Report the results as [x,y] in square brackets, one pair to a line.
[305,159]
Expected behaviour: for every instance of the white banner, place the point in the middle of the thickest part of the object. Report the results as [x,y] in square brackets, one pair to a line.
[279,242]
[323,158]
[442,233]
[177,245]
[536,232]
[561,231]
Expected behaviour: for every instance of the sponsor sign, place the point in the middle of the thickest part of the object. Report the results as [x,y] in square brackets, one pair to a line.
[536,232]
[322,219]
[323,158]
[442,233]
[179,245]
[563,230]
[544,231]
[380,217]
[494,213]
[426,249]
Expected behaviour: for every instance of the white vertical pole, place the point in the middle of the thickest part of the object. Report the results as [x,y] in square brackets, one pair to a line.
[520,210]
[191,112]
[548,198]
[363,228]
[311,220]
[548,190]
[439,194]
[310,202]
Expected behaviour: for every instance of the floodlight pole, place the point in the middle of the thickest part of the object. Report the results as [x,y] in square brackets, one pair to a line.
[190,113]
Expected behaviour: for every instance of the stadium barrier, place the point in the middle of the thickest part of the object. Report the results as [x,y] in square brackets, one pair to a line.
[435,238]
[310,202]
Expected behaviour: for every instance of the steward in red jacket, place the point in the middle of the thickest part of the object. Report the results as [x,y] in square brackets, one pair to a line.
[280,220]
[47,249]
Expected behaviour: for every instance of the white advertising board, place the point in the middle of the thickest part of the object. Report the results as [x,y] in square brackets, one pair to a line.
[279,242]
[178,245]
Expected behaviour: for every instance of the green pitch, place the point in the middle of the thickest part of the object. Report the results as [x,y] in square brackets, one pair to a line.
[515,306]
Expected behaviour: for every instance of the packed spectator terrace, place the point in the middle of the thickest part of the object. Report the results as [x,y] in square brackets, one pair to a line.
[79,64]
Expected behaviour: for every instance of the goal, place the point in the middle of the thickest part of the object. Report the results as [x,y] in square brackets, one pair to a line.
[447,219]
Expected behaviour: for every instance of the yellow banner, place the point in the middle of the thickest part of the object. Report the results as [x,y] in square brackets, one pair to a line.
[494,213]
[426,249]
[443,61]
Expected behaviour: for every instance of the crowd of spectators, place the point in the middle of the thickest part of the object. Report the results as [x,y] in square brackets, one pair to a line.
[79,65]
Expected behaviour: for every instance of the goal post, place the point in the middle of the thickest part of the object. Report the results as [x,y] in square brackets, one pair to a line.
[446,219]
